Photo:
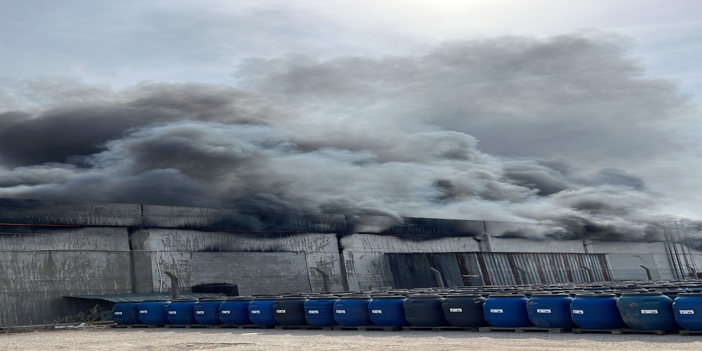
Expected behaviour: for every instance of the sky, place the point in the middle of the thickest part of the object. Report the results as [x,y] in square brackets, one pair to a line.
[581,113]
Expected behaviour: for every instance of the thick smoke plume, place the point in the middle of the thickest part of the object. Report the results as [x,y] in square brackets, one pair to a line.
[559,122]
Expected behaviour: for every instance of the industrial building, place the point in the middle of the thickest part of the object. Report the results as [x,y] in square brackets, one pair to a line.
[55,254]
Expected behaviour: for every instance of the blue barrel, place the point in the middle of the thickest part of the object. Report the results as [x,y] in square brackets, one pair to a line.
[464,310]
[688,311]
[290,310]
[261,311]
[507,311]
[596,311]
[153,312]
[550,311]
[319,311]
[425,311]
[691,288]
[126,313]
[352,311]
[595,289]
[388,310]
[181,312]
[647,311]
[207,312]
[235,311]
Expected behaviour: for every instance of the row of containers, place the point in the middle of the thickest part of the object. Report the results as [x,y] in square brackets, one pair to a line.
[638,307]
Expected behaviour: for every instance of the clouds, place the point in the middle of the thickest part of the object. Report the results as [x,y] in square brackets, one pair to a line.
[567,96]
[74,127]
[127,42]
[467,130]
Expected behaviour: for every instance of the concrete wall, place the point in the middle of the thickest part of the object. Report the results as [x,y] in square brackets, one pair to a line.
[626,259]
[243,259]
[365,263]
[693,258]
[38,268]
[52,249]
[69,213]
[527,245]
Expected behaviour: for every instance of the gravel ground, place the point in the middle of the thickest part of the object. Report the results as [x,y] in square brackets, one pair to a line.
[300,340]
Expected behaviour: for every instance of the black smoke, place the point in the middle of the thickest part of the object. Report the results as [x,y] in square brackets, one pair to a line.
[559,121]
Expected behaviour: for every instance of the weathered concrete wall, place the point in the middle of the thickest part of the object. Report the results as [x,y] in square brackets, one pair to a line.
[527,245]
[122,248]
[626,259]
[366,266]
[179,250]
[69,213]
[692,258]
[226,218]
[255,272]
[39,267]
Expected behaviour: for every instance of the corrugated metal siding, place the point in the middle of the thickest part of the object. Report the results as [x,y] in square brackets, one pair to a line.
[496,268]
[470,270]
[411,270]
[447,263]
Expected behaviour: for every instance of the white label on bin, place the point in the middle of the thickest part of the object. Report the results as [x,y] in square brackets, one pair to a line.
[143,311]
[118,313]
[681,312]
[340,311]
[578,312]
[226,312]
[172,312]
[455,310]
[545,310]
[377,311]
[279,311]
[495,310]
[649,311]
[199,312]
[313,312]
[255,312]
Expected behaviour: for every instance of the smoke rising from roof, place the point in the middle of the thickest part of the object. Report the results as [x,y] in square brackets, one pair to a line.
[507,129]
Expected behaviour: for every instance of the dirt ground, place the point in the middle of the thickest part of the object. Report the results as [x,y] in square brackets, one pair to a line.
[299,340]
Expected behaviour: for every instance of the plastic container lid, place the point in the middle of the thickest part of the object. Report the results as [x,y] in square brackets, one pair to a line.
[550,295]
[588,295]
[642,294]
[269,297]
[507,295]
[240,298]
[355,297]
[396,297]
[323,297]
[465,295]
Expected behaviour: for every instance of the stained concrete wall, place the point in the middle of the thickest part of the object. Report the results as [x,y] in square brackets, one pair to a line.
[364,255]
[213,218]
[255,272]
[38,268]
[626,259]
[69,213]
[199,257]
[527,245]
[691,258]
[122,248]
